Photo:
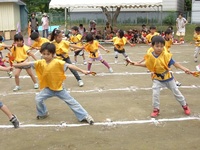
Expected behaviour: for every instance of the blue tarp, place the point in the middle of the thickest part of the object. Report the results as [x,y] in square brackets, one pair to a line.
[51,28]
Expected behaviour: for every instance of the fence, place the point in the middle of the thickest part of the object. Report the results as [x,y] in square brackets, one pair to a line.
[124,18]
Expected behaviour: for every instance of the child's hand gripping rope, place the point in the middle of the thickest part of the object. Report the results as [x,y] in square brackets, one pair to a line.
[10,59]
[92,73]
[195,73]
[128,61]
[107,51]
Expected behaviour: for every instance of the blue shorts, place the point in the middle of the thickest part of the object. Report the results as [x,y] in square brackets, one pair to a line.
[1,104]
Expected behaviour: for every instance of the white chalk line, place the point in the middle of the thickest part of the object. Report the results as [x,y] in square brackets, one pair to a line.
[101,90]
[108,123]
[101,74]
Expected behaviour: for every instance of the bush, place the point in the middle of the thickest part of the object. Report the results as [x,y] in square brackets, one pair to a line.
[170,19]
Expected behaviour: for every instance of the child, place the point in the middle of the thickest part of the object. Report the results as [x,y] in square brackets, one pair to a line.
[197,43]
[21,53]
[159,62]
[38,41]
[45,25]
[62,51]
[168,42]
[13,119]
[108,30]
[76,39]
[92,47]
[151,34]
[119,43]
[180,25]
[51,74]
[143,36]
[82,30]
[2,47]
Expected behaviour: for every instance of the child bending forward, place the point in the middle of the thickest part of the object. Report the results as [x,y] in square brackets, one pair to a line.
[92,47]
[159,62]
[51,74]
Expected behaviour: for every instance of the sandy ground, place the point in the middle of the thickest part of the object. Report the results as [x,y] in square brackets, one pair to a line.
[120,103]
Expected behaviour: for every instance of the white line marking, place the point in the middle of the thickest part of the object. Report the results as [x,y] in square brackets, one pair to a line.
[109,123]
[100,90]
[103,74]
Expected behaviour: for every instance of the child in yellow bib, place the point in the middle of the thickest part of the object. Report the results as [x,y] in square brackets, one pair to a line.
[51,74]
[197,43]
[158,62]
[3,46]
[38,41]
[119,42]
[151,35]
[92,47]
[76,39]
[62,51]
[168,42]
[21,53]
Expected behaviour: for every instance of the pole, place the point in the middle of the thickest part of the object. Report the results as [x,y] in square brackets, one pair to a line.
[66,10]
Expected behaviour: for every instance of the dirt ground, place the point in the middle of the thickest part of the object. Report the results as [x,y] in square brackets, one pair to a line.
[115,100]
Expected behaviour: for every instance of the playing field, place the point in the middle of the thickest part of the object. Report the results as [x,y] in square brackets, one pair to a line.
[119,102]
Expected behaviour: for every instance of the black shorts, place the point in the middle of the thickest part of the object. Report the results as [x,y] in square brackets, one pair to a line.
[80,53]
[119,51]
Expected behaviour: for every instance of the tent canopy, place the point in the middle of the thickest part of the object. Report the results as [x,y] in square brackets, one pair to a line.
[104,3]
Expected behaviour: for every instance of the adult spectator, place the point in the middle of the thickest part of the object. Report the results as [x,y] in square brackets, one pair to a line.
[93,29]
[108,30]
[180,24]
[45,25]
[33,23]
[82,30]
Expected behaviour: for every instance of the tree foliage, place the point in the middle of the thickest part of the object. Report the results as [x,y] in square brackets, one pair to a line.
[37,5]
[188,5]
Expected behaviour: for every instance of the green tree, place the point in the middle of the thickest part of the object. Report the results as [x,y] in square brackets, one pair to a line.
[37,5]
[188,5]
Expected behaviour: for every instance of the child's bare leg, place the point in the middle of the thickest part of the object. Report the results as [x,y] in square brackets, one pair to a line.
[75,59]
[83,57]
[5,109]
[89,65]
[13,119]
[84,61]
[17,73]
[105,63]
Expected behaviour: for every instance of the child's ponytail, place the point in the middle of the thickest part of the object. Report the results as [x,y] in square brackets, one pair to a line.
[54,33]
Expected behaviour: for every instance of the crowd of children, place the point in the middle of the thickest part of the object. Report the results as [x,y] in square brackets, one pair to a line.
[55,60]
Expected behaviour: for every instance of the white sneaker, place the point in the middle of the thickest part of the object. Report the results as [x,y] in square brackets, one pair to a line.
[17,88]
[80,83]
[110,70]
[89,119]
[74,63]
[178,83]
[36,86]
[198,67]
[85,62]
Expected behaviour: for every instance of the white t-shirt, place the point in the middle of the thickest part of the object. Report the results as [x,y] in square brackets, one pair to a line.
[181,24]
[45,23]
